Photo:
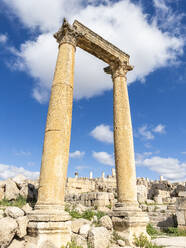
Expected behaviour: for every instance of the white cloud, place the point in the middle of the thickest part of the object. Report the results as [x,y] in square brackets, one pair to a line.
[104,158]
[82,167]
[76,154]
[102,133]
[43,14]
[170,168]
[31,163]
[3,38]
[159,129]
[183,153]
[161,4]
[150,46]
[22,153]
[145,133]
[7,171]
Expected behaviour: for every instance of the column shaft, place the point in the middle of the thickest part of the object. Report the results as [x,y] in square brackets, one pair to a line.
[58,130]
[123,143]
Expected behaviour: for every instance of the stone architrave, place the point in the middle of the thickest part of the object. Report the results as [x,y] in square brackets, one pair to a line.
[49,216]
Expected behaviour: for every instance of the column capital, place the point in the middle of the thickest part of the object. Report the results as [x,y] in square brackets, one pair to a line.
[118,68]
[66,34]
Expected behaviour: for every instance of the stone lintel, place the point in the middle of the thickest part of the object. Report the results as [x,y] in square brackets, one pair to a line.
[97,46]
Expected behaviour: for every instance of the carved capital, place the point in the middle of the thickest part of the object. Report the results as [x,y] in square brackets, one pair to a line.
[118,68]
[66,34]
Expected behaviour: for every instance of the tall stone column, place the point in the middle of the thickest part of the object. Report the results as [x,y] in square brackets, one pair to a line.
[127,216]
[123,137]
[58,127]
[49,216]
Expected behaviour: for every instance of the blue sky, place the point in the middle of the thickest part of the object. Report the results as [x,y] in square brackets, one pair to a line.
[152,32]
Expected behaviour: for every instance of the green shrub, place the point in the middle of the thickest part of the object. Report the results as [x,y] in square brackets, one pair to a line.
[174,231]
[109,206]
[75,214]
[71,245]
[151,230]
[19,202]
[116,236]
[142,241]
[99,214]
[88,214]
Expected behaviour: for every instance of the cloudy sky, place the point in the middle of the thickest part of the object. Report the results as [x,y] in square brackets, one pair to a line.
[152,32]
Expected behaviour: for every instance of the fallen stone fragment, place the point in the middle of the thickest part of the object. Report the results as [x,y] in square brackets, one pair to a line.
[17,244]
[106,222]
[79,240]
[84,230]
[14,212]
[22,222]
[77,223]
[121,242]
[11,190]
[27,208]
[8,228]
[99,237]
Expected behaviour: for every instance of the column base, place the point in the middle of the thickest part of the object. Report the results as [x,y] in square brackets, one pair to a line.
[49,226]
[129,221]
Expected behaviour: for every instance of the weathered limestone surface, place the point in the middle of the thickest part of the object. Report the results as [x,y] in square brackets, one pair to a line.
[49,220]
[11,190]
[181,212]
[127,218]
[14,212]
[58,130]
[22,223]
[99,237]
[8,228]
[123,139]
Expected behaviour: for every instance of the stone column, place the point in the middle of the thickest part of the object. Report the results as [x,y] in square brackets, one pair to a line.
[50,204]
[91,175]
[58,127]
[113,172]
[127,216]
[103,175]
[123,138]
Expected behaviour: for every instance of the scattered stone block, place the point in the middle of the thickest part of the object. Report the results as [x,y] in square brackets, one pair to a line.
[84,229]
[121,242]
[99,237]
[2,213]
[11,190]
[22,222]
[14,212]
[27,208]
[80,241]
[17,244]
[77,223]
[148,201]
[8,227]
[158,199]
[182,194]
[181,212]
[20,180]
[106,222]
[2,194]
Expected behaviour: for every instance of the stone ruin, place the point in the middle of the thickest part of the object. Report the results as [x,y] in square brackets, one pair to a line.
[164,203]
